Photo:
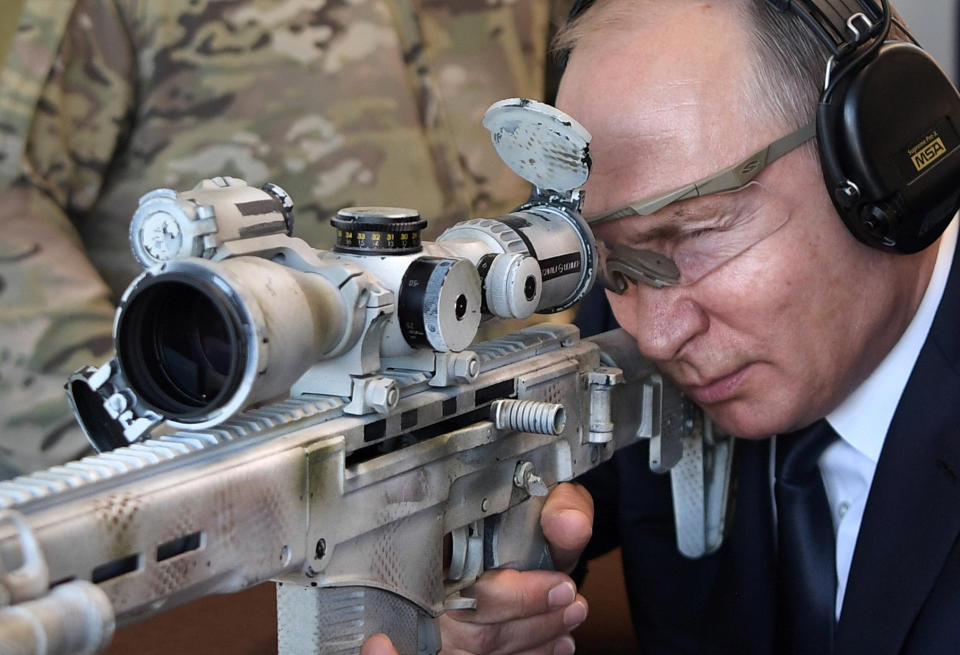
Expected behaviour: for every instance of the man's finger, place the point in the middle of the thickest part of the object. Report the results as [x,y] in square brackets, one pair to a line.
[524,635]
[567,523]
[505,595]
[378,645]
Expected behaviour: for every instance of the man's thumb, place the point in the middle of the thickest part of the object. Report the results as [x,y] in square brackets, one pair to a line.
[567,523]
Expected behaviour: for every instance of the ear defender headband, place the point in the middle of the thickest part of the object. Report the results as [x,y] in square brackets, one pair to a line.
[888,126]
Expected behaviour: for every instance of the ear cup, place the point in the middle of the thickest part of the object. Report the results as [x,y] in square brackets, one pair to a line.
[888,135]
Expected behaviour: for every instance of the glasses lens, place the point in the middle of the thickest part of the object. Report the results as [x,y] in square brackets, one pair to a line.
[691,239]
[622,265]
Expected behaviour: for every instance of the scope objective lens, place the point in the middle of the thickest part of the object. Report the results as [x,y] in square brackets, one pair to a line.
[179,346]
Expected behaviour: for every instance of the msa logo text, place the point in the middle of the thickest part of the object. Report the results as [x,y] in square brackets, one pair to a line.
[930,153]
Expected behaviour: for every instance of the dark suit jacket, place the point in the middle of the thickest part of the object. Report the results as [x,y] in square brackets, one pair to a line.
[903,594]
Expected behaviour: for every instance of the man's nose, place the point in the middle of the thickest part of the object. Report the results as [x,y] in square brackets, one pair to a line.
[667,319]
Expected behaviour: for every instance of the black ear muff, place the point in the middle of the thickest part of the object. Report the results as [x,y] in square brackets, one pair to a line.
[889,138]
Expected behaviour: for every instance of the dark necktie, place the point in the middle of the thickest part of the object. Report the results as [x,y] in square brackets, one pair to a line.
[806,551]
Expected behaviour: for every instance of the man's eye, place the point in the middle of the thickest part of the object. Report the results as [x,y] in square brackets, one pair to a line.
[724,227]
[697,234]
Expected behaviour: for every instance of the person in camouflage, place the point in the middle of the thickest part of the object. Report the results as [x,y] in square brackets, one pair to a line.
[340,102]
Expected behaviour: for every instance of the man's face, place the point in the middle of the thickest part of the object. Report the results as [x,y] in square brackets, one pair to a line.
[779,335]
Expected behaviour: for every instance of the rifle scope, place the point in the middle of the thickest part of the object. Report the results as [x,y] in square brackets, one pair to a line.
[198,340]
[233,311]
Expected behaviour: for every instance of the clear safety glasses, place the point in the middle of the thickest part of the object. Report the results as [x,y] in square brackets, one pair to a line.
[681,243]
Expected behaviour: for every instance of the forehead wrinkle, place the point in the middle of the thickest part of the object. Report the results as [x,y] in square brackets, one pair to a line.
[659,121]
[646,146]
[642,153]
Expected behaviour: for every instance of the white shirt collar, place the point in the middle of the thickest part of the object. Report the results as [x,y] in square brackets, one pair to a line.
[863,418]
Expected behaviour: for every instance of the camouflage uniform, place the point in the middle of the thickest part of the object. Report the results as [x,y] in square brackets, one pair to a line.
[341,102]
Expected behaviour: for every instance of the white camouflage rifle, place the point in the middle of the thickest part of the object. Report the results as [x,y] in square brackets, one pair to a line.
[320,419]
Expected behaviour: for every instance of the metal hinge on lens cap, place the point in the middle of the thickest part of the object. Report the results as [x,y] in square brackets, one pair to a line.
[540,143]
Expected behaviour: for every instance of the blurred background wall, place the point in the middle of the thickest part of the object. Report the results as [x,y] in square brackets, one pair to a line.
[9,11]
[934,24]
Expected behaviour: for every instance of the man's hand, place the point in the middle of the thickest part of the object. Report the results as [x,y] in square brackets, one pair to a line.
[531,611]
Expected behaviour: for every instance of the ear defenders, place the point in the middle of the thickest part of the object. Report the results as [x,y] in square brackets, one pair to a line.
[888,126]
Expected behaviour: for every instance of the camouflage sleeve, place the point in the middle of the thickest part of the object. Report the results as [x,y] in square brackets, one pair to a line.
[64,106]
